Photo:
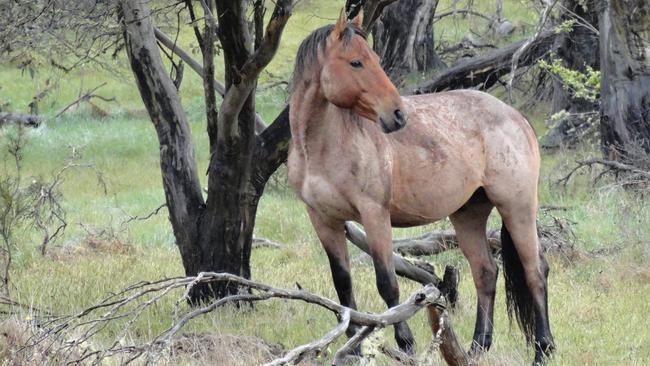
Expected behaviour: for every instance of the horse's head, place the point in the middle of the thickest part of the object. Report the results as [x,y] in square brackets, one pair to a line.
[352,77]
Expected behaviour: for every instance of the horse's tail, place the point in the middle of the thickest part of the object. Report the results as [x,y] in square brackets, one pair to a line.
[518,297]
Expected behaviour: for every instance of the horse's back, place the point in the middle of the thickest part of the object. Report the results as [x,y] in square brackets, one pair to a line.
[472,122]
[454,143]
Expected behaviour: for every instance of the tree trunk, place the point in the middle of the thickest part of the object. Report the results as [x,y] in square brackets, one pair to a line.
[403,38]
[213,235]
[577,49]
[625,72]
[177,163]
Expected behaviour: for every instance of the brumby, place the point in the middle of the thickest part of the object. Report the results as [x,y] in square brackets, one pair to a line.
[361,152]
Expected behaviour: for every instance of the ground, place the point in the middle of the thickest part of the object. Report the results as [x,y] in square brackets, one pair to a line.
[598,299]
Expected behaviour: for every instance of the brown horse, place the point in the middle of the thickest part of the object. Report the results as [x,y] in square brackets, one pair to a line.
[462,153]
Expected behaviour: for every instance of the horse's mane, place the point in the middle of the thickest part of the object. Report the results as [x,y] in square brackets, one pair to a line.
[317,40]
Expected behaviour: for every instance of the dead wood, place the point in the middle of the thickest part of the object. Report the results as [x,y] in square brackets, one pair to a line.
[484,71]
[628,175]
[450,347]
[68,337]
[403,267]
[86,97]
[259,242]
[19,118]
[556,236]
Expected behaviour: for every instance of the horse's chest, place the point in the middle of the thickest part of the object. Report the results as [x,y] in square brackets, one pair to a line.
[324,196]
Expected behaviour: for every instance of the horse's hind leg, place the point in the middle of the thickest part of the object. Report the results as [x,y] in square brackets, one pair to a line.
[332,236]
[376,222]
[523,259]
[470,225]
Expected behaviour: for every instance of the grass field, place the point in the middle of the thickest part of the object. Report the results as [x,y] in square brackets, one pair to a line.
[598,302]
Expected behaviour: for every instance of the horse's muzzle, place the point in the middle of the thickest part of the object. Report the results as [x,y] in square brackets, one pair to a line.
[393,123]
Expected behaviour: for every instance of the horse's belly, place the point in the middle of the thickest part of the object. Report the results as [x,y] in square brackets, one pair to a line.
[423,203]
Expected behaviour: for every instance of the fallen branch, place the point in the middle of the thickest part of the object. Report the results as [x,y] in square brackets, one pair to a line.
[634,175]
[484,71]
[450,347]
[67,337]
[259,242]
[85,97]
[403,267]
[20,118]
[552,237]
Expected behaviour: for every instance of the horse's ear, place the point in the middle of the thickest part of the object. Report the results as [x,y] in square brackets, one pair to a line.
[358,20]
[340,25]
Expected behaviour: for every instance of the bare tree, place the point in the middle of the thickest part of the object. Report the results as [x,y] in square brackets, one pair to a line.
[215,233]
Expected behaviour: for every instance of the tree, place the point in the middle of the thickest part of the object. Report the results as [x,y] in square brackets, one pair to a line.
[403,38]
[213,234]
[625,86]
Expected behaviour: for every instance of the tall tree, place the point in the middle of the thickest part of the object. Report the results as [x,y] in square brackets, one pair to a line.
[403,38]
[213,234]
[625,70]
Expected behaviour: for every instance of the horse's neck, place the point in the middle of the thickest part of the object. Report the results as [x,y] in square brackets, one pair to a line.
[317,124]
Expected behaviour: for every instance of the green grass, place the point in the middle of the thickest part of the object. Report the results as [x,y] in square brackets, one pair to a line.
[597,304]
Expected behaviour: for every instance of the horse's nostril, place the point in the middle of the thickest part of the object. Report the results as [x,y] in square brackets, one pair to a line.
[399,118]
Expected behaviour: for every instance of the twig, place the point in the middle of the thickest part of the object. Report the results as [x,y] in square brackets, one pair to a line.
[515,57]
[437,17]
[57,332]
[297,354]
[259,242]
[611,167]
[86,96]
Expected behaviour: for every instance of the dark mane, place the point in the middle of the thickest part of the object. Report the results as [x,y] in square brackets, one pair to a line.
[308,50]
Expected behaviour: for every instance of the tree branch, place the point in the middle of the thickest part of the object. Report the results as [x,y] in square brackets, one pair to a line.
[260,125]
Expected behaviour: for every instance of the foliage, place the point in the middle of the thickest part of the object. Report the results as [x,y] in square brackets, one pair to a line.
[582,85]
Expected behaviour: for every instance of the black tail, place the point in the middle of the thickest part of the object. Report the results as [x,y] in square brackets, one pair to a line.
[518,296]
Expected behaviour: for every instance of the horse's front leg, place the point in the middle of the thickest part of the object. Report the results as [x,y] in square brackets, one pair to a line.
[376,221]
[331,233]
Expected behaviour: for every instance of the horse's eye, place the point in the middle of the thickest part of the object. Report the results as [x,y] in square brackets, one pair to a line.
[356,64]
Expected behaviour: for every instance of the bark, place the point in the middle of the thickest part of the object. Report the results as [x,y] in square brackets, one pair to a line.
[484,71]
[577,49]
[625,77]
[403,38]
[177,163]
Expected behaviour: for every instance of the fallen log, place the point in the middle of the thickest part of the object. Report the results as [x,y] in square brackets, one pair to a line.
[443,333]
[20,118]
[551,238]
[415,270]
[403,267]
[485,70]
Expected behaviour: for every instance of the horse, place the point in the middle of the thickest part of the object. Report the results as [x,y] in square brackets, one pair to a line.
[361,152]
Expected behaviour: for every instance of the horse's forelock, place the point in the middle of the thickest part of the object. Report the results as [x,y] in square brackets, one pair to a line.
[308,51]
